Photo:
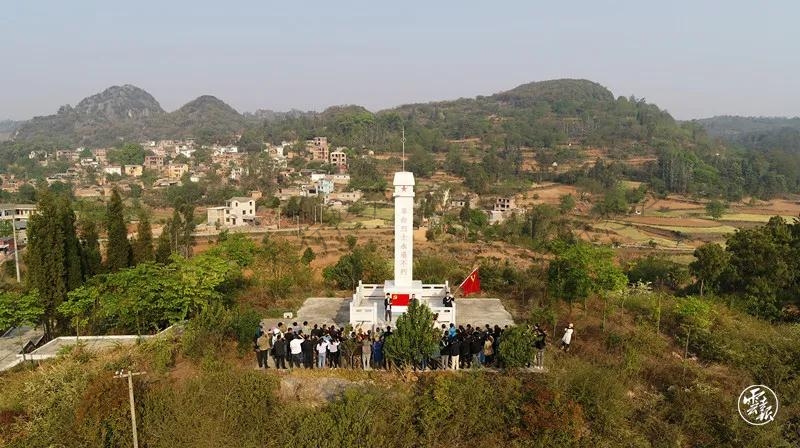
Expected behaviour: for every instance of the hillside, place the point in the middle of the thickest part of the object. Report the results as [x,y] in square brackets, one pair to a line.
[8,127]
[730,127]
[205,118]
[119,112]
[534,114]
[130,113]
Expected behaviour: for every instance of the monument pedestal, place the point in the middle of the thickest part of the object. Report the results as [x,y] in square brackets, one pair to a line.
[401,294]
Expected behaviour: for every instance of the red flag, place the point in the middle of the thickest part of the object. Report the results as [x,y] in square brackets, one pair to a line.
[400,299]
[471,284]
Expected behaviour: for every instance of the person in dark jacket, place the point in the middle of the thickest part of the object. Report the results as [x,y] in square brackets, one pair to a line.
[279,352]
[455,351]
[289,336]
[464,353]
[475,346]
[308,353]
[540,342]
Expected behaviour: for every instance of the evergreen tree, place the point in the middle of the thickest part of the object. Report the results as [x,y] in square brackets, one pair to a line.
[118,252]
[72,247]
[53,256]
[184,232]
[414,337]
[90,249]
[164,243]
[143,245]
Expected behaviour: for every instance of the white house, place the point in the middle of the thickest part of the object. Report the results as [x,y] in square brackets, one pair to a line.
[113,170]
[239,211]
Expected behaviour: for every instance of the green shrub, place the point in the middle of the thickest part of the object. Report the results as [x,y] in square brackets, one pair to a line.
[244,323]
[516,347]
[206,332]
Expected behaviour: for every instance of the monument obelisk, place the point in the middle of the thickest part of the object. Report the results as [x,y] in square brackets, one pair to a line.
[403,287]
[403,229]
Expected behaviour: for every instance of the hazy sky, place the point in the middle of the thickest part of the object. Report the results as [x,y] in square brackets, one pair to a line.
[693,58]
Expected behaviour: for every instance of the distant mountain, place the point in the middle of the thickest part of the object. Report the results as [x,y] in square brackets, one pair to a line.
[117,113]
[7,128]
[206,116]
[271,115]
[756,133]
[726,126]
[534,114]
[128,113]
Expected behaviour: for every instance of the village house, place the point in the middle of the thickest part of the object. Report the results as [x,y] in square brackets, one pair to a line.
[237,211]
[318,148]
[100,155]
[16,212]
[504,204]
[164,183]
[154,163]
[324,186]
[346,196]
[67,155]
[177,170]
[339,158]
[113,169]
[236,173]
[132,170]
[89,162]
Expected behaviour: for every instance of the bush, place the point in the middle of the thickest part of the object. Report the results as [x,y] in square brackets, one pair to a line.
[516,347]
[244,323]
[206,332]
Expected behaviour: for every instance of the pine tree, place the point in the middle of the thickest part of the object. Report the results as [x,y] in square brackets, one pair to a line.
[143,245]
[164,244]
[187,228]
[118,252]
[90,249]
[46,260]
[72,247]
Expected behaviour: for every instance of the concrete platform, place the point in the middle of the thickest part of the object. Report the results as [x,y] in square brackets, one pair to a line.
[324,310]
[11,345]
[335,310]
[479,312]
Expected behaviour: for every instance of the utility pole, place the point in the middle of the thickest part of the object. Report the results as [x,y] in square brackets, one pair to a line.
[16,247]
[128,374]
[279,216]
[298,225]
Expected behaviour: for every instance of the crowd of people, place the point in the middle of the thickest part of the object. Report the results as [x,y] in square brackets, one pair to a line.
[326,346]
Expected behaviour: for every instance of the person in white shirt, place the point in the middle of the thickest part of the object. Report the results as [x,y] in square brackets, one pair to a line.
[322,352]
[296,349]
[333,349]
[567,338]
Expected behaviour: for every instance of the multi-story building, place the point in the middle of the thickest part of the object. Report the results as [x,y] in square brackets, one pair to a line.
[238,211]
[177,170]
[154,162]
[18,214]
[504,204]
[338,158]
[132,170]
[318,147]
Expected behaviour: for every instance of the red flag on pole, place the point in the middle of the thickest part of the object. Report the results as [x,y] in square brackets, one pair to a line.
[471,284]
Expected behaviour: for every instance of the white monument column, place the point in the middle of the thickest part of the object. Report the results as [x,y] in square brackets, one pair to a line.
[403,229]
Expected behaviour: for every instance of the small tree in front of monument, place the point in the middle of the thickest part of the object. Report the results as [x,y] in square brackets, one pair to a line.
[516,348]
[414,338]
